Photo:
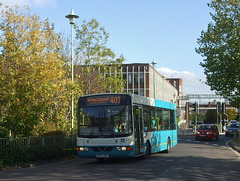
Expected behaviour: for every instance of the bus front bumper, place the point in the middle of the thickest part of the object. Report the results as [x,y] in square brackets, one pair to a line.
[106,152]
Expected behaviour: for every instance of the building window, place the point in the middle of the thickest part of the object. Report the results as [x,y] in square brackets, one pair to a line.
[135,78]
[130,78]
[142,80]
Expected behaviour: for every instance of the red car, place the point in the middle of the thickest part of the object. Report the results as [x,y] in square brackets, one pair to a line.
[207,131]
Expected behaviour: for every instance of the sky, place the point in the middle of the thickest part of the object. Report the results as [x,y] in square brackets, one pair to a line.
[142,31]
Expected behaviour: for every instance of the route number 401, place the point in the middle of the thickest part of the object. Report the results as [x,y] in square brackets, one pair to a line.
[115,100]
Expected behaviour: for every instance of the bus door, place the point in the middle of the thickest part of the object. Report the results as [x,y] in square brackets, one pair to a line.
[138,129]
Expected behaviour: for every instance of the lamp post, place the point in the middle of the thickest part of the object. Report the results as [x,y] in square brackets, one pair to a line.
[72,18]
[154,92]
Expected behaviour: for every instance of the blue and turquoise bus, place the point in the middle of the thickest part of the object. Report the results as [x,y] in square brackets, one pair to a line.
[124,125]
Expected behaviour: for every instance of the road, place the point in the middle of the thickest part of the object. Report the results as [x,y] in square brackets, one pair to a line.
[189,160]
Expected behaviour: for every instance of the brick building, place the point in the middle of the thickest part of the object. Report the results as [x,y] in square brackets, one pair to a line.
[143,79]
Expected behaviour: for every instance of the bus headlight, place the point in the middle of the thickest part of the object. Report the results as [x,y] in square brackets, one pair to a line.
[124,148]
[82,148]
[118,148]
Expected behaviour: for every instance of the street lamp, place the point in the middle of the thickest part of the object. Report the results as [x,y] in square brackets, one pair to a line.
[72,18]
[153,64]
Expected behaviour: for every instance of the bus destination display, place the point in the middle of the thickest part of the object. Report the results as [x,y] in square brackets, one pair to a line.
[106,100]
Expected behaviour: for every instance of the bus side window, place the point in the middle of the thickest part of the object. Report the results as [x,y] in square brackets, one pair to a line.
[153,119]
[166,119]
[146,118]
[172,119]
[159,118]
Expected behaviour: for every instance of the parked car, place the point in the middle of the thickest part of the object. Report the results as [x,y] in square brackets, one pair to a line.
[207,131]
[232,121]
[231,129]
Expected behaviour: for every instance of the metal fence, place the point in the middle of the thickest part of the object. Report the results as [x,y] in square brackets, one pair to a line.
[60,141]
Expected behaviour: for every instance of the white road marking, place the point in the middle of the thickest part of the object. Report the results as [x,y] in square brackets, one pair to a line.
[234,151]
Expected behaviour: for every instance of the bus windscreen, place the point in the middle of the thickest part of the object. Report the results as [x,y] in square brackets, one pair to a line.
[104,116]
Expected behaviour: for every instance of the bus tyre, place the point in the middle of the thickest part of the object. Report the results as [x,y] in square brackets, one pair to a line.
[147,151]
[168,145]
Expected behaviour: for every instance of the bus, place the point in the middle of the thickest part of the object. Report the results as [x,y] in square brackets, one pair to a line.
[123,125]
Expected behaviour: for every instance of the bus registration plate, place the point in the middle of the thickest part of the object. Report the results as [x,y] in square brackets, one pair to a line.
[102,156]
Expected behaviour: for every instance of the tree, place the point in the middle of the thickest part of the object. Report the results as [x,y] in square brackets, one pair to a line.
[232,114]
[200,117]
[220,45]
[99,71]
[34,89]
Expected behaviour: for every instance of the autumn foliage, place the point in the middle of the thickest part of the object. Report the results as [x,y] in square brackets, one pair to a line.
[34,86]
[35,82]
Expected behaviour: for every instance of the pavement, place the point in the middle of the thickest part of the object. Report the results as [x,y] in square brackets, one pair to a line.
[235,145]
